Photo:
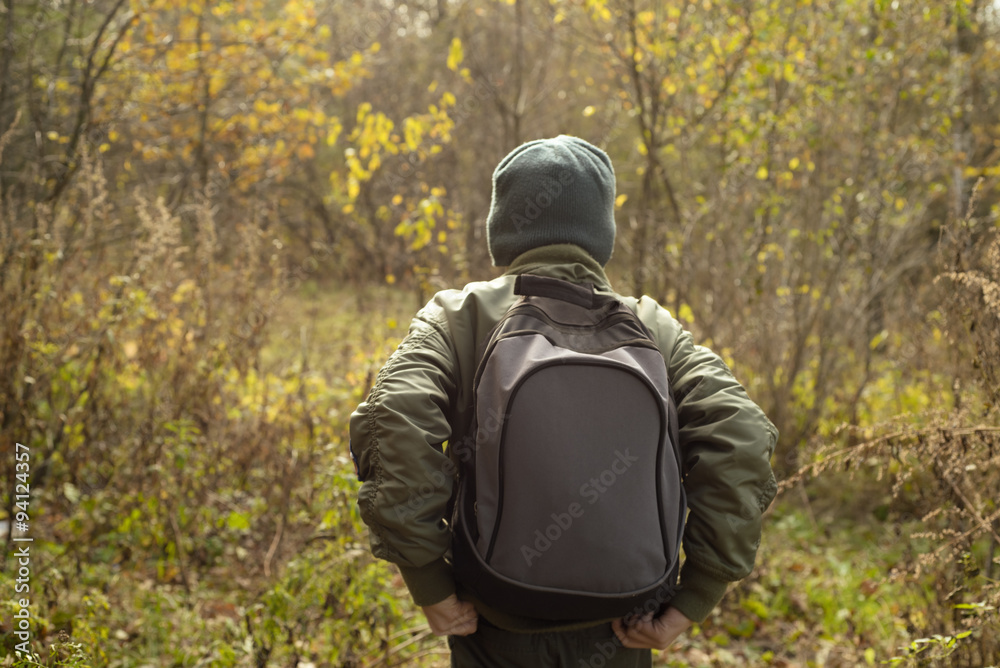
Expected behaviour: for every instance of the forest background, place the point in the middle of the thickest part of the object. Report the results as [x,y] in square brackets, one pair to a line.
[216,219]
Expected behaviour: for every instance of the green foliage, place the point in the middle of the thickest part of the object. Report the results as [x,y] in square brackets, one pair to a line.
[174,472]
[935,648]
[63,653]
[796,583]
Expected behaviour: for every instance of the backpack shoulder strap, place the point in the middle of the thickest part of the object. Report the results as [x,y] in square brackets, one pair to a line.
[530,285]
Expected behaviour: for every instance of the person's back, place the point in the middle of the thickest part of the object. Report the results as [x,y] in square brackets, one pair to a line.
[552,216]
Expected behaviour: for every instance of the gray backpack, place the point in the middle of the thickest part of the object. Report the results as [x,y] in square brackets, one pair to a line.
[570,504]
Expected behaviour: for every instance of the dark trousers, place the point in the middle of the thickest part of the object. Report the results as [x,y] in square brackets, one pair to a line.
[595,647]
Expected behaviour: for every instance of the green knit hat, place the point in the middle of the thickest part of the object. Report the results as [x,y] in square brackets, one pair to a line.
[552,191]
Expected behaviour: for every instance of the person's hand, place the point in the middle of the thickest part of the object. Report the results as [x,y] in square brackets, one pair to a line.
[651,633]
[452,617]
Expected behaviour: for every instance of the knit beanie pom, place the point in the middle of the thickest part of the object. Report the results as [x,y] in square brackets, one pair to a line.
[552,191]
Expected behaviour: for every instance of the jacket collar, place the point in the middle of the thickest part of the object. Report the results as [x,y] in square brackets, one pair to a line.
[565,261]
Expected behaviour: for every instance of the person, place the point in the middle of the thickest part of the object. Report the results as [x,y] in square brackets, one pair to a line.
[552,214]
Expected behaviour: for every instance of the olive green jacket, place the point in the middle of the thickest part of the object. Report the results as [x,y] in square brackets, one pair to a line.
[423,395]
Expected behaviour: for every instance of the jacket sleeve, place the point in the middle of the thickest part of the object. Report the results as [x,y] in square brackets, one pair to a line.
[397,435]
[726,444]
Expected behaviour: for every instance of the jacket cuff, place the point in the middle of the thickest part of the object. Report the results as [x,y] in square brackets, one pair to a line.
[429,584]
[700,592]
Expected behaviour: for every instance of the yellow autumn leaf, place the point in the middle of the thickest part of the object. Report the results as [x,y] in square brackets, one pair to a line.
[455,54]
[762,172]
[363,110]
[305,152]
[333,132]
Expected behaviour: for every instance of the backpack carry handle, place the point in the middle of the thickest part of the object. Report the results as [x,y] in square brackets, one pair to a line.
[530,285]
